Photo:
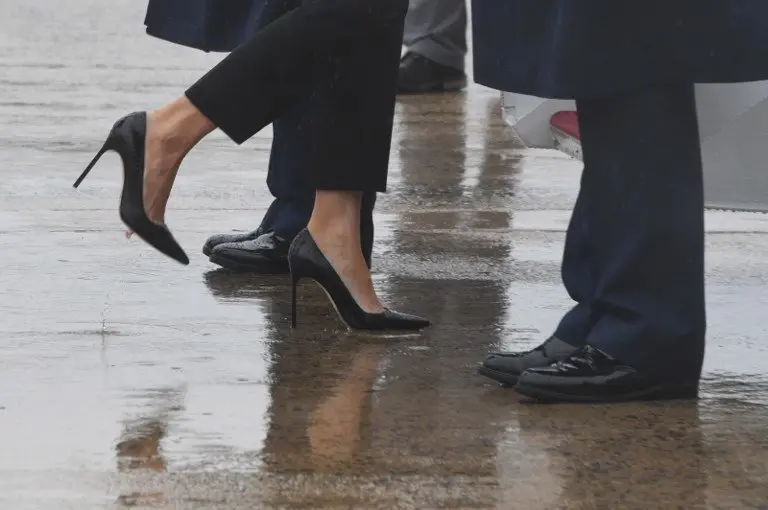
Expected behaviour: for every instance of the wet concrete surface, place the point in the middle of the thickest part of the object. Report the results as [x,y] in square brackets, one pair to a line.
[127,381]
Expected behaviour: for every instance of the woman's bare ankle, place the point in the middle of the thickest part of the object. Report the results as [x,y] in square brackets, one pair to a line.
[163,153]
[180,124]
[172,131]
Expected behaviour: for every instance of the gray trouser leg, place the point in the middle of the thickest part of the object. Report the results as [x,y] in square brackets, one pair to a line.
[437,29]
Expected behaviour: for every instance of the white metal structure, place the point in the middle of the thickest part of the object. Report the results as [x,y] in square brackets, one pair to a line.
[733,122]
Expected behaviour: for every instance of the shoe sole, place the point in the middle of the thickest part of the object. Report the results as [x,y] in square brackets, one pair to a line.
[266,267]
[655,393]
[271,268]
[508,380]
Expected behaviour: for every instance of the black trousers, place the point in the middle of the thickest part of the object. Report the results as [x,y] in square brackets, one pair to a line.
[349,48]
[634,252]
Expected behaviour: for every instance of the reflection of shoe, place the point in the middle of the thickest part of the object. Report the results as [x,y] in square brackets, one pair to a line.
[506,367]
[420,74]
[307,261]
[590,375]
[224,283]
[128,138]
[218,239]
[266,293]
[266,254]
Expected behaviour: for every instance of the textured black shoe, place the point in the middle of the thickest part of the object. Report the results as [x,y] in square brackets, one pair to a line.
[506,367]
[266,254]
[235,237]
[418,74]
[591,376]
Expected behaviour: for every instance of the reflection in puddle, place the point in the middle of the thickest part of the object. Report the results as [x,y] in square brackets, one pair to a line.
[140,447]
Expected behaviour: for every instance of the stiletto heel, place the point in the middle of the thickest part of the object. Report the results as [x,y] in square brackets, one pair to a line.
[294,284]
[307,261]
[93,162]
[128,139]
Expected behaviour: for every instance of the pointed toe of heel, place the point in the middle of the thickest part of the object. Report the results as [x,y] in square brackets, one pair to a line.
[157,236]
[163,241]
[389,320]
[404,321]
[172,248]
[179,255]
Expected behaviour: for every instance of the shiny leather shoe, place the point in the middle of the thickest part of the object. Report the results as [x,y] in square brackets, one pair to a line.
[266,254]
[418,74]
[591,376]
[237,237]
[506,367]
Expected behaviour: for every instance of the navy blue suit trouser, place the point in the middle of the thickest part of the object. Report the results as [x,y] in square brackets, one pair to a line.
[634,253]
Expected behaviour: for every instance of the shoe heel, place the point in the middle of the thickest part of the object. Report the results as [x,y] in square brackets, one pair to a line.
[93,162]
[294,284]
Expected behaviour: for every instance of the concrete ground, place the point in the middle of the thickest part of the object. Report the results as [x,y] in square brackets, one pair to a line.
[127,381]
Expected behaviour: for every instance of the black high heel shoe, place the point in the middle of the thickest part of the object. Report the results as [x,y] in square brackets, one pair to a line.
[307,261]
[127,138]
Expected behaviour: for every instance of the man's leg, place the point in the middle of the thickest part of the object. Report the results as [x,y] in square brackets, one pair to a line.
[238,251]
[646,218]
[288,182]
[644,194]
[436,41]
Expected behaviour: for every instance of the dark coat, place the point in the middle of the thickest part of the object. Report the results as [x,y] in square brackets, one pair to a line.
[208,25]
[581,48]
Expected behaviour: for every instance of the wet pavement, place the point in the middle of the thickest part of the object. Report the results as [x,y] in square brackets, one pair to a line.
[127,381]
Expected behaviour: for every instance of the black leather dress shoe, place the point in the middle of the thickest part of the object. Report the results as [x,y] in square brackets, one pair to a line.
[236,237]
[266,254]
[591,376]
[418,74]
[506,367]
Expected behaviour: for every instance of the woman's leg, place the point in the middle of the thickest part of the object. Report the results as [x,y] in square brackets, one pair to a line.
[352,134]
[257,82]
[353,46]
[335,228]
[172,131]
